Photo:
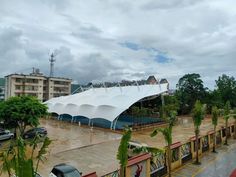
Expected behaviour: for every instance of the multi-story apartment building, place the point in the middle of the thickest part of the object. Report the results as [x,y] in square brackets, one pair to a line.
[56,86]
[36,84]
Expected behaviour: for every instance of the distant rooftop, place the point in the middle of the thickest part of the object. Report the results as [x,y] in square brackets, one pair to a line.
[76,88]
[37,75]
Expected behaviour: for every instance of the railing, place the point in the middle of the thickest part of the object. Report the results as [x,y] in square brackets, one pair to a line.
[112,174]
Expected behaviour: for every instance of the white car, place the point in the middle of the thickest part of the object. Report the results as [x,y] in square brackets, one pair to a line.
[6,134]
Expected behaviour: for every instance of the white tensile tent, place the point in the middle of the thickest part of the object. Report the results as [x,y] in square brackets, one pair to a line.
[106,103]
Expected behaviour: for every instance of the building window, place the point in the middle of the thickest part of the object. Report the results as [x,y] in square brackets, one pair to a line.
[32,94]
[18,87]
[18,80]
[17,94]
[34,81]
[31,88]
[60,89]
[61,82]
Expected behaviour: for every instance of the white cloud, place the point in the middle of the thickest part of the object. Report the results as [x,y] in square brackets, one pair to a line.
[198,36]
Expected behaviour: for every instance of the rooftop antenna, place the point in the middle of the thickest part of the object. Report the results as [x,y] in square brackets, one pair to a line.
[52,60]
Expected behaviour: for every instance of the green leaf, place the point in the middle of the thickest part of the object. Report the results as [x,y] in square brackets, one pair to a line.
[122,154]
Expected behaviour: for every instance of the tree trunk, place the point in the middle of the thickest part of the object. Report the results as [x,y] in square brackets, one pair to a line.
[197,145]
[226,132]
[214,140]
[20,125]
[122,172]
[169,160]
[235,129]
[15,133]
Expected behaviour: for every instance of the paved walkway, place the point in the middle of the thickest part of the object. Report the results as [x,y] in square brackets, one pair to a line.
[219,164]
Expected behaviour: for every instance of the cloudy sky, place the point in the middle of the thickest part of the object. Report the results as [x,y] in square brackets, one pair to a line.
[111,40]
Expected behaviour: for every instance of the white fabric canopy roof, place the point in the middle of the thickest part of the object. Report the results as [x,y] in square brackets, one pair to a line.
[106,103]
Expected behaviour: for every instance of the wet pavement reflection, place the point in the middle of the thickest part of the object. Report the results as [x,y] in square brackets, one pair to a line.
[68,136]
[219,164]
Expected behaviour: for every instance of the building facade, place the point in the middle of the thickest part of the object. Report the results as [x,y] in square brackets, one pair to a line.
[2,89]
[35,84]
[56,87]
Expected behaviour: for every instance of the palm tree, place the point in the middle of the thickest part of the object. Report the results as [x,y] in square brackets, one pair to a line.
[198,116]
[167,133]
[122,154]
[214,118]
[226,117]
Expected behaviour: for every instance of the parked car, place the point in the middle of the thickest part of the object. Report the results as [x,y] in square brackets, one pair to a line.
[6,134]
[64,170]
[41,131]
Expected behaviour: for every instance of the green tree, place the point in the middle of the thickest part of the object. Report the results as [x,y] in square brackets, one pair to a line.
[214,118]
[227,115]
[234,116]
[212,99]
[122,154]
[15,160]
[21,112]
[167,133]
[198,114]
[171,103]
[226,87]
[189,89]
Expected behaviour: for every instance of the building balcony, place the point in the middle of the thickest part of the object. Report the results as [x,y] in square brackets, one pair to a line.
[26,91]
[61,86]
